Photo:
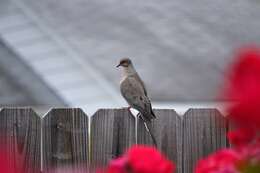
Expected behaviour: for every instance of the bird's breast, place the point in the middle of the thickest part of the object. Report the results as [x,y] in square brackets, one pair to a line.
[123,79]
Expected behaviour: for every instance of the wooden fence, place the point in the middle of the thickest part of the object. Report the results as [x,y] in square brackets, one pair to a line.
[67,137]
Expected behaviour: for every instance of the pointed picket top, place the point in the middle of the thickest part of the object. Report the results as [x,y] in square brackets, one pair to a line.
[65,139]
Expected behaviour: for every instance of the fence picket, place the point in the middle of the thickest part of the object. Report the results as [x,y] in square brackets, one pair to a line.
[112,132]
[65,140]
[167,129]
[20,132]
[204,132]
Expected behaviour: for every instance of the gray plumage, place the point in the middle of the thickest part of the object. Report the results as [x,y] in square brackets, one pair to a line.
[135,94]
[134,91]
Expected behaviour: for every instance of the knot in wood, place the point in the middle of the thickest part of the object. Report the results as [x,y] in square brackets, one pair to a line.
[60,125]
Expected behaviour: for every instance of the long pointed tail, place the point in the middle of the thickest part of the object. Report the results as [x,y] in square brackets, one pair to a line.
[150,133]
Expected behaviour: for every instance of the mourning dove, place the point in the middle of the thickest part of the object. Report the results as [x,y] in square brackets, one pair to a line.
[134,91]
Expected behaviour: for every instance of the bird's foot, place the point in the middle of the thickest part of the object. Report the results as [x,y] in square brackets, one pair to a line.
[128,109]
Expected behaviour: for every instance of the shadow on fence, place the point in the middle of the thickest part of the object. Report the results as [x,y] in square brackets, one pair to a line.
[64,138]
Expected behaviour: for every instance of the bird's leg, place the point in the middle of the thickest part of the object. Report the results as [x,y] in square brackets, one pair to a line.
[128,108]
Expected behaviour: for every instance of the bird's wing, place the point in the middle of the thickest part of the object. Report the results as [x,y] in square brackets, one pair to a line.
[132,90]
[142,83]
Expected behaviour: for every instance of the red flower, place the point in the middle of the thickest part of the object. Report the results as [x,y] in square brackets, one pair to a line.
[8,162]
[244,82]
[118,166]
[222,161]
[148,160]
[244,159]
[244,89]
[241,137]
[141,159]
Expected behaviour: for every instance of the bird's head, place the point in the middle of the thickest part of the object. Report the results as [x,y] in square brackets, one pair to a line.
[125,62]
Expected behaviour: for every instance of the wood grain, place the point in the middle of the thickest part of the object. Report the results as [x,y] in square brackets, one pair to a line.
[204,132]
[66,143]
[65,140]
[167,129]
[20,134]
[112,132]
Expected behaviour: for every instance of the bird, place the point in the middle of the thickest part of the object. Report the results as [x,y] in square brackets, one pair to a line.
[134,92]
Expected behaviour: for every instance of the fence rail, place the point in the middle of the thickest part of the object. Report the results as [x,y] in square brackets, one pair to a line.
[68,137]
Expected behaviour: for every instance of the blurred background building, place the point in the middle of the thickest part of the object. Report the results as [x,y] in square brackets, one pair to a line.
[64,53]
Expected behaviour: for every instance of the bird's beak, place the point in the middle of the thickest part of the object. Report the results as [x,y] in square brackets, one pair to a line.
[118,65]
